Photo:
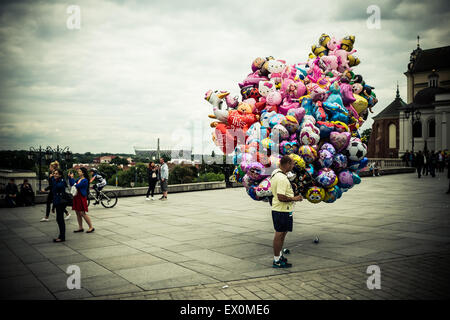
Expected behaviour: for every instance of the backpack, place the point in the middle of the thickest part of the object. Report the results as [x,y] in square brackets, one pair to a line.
[271,197]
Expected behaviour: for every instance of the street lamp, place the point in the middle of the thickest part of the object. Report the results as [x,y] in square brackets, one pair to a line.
[415,116]
[64,152]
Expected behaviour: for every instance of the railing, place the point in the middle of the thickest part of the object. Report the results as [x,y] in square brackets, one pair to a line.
[387,163]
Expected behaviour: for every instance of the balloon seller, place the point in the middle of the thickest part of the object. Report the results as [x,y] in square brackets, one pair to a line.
[309,112]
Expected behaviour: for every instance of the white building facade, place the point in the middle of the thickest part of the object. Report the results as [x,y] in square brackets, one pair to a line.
[428,85]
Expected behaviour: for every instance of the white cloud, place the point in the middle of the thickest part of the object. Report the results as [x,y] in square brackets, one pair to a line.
[136,71]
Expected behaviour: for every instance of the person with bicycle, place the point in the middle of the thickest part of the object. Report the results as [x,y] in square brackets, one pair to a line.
[101,183]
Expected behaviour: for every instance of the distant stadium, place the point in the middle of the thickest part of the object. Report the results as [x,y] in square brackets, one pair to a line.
[153,153]
[175,155]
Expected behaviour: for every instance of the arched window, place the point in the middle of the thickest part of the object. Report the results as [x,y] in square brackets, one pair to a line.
[417,129]
[432,128]
[392,136]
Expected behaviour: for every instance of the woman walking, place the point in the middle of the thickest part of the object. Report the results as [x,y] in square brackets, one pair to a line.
[80,199]
[58,189]
[152,172]
[53,166]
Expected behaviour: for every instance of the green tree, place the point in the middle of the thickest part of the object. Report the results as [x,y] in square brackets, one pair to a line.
[109,170]
[365,136]
[119,161]
[182,174]
[210,176]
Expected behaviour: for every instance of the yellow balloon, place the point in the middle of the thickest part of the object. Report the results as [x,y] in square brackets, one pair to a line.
[315,194]
[360,104]
[298,160]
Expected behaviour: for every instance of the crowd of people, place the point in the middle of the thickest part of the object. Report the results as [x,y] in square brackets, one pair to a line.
[58,187]
[428,163]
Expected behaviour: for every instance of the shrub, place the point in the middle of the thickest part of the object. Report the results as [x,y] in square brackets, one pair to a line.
[210,176]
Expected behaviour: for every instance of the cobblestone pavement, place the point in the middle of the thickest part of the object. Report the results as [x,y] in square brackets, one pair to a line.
[195,244]
[416,278]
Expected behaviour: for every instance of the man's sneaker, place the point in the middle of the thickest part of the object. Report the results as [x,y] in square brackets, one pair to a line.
[44,219]
[282,258]
[164,199]
[67,217]
[161,198]
[286,251]
[153,198]
[281,264]
[148,199]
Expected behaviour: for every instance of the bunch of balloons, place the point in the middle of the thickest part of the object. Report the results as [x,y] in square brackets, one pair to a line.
[310,111]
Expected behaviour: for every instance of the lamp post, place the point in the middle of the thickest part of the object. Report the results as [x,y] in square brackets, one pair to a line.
[59,153]
[415,116]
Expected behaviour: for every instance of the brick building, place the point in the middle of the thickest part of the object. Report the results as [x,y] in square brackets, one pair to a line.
[384,139]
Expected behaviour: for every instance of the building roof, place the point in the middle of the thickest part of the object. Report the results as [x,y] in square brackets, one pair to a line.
[427,60]
[393,109]
[427,95]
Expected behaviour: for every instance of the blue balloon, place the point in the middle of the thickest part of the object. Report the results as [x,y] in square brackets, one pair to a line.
[335,95]
[309,106]
[310,169]
[325,128]
[252,193]
[356,178]
[363,163]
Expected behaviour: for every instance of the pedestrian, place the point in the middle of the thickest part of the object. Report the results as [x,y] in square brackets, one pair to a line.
[432,164]
[12,193]
[164,173]
[406,157]
[440,161]
[58,189]
[26,193]
[419,161]
[152,173]
[282,209]
[53,166]
[426,161]
[448,173]
[80,199]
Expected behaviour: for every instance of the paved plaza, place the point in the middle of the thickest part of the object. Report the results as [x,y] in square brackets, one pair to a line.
[218,245]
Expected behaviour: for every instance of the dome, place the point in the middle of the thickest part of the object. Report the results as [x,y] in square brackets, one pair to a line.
[426,96]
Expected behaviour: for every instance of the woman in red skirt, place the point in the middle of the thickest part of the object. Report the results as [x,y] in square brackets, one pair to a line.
[80,200]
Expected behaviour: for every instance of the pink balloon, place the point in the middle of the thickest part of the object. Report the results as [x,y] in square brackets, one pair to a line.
[340,140]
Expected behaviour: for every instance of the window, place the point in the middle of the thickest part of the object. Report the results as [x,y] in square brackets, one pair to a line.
[392,136]
[417,129]
[432,128]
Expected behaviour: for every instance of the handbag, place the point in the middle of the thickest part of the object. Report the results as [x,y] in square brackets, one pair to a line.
[73,191]
[67,199]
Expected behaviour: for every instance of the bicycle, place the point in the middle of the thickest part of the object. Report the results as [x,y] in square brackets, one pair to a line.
[108,199]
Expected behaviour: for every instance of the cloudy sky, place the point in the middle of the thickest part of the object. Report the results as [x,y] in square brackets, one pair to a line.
[138,70]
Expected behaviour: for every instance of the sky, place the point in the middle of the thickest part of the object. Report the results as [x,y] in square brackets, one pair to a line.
[135,71]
